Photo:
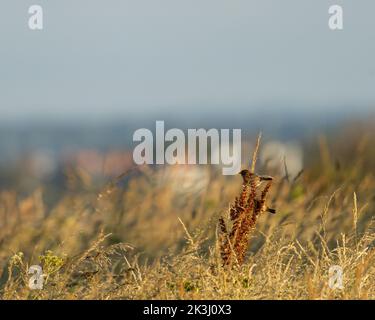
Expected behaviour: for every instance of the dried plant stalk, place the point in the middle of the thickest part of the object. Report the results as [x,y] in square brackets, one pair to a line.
[243,215]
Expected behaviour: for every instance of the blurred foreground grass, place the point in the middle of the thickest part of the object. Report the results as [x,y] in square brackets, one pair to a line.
[125,241]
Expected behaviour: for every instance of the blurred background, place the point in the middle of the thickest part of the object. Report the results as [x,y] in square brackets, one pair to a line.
[76,91]
[72,94]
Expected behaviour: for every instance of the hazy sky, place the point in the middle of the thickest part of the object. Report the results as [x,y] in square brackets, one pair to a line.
[126,57]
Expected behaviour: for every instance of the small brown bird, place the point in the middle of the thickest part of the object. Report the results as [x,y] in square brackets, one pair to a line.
[247,176]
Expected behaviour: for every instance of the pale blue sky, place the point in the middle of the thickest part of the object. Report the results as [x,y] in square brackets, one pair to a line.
[108,58]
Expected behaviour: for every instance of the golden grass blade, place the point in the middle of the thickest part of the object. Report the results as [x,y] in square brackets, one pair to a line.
[255,154]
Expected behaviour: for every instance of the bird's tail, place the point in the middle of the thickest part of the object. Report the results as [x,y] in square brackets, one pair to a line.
[266,178]
[270,210]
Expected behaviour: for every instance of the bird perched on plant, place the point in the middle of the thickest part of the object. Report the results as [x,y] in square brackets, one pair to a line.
[259,204]
[247,176]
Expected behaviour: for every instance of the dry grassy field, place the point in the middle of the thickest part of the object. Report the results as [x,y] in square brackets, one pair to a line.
[166,233]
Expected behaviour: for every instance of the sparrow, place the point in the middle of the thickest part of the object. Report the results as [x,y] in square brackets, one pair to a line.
[247,176]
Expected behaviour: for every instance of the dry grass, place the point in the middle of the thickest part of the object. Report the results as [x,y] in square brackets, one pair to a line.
[324,218]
